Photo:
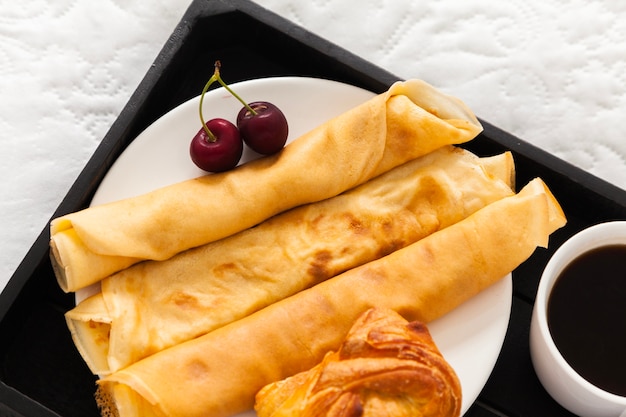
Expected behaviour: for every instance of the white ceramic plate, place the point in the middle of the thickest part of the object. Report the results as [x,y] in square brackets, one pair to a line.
[470,337]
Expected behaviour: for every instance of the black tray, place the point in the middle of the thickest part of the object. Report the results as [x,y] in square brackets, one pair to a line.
[41,373]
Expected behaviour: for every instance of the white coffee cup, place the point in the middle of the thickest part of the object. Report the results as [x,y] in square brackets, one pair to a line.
[562,382]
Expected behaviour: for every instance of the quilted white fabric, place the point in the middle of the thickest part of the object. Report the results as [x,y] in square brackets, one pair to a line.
[552,72]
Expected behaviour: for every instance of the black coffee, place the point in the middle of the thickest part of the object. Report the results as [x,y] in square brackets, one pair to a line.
[587,316]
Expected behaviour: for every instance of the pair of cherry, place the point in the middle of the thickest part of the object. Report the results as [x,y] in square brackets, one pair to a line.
[218,145]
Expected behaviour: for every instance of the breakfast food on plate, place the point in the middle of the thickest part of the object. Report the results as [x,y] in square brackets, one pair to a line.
[158,304]
[386,366]
[411,119]
[218,374]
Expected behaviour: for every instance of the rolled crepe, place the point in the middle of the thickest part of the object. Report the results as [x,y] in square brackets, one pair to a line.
[411,119]
[218,374]
[156,304]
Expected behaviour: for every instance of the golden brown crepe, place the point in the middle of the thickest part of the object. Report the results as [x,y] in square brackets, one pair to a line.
[156,304]
[218,374]
[386,367]
[411,119]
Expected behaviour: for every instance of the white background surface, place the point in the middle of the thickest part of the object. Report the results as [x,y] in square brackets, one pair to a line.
[551,72]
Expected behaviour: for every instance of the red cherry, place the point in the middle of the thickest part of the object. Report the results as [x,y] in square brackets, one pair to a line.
[265,130]
[219,152]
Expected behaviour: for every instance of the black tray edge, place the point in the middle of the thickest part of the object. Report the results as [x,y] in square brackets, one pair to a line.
[15,404]
[578,175]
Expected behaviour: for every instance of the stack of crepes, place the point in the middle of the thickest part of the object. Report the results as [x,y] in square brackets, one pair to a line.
[157,304]
[199,310]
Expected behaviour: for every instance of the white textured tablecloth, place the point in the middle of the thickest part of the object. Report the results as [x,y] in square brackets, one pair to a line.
[552,72]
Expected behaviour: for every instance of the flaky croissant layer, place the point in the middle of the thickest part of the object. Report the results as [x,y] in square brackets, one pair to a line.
[386,366]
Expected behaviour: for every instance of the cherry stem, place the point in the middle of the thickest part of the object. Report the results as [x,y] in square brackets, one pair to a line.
[216,77]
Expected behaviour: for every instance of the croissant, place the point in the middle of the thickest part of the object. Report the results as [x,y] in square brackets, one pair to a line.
[386,366]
